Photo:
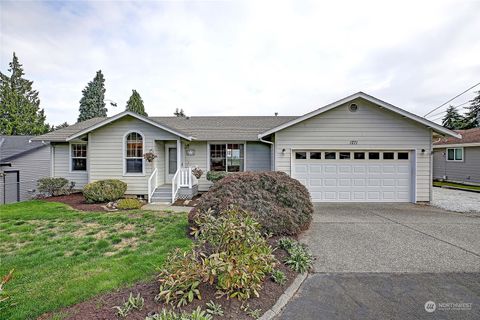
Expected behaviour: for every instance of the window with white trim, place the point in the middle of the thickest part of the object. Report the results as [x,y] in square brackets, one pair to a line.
[78,156]
[134,153]
[229,157]
[454,154]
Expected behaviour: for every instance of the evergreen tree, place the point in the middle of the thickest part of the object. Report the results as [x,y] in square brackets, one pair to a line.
[472,117]
[61,126]
[453,120]
[135,104]
[179,113]
[20,112]
[92,103]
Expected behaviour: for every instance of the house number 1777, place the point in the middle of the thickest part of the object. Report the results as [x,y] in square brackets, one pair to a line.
[353,141]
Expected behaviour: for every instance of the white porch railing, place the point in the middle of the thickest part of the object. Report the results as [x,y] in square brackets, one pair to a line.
[152,184]
[182,178]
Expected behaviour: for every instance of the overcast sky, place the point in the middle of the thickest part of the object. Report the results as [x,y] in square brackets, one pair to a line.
[244,58]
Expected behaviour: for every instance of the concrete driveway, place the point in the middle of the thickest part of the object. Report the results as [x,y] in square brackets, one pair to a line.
[385,261]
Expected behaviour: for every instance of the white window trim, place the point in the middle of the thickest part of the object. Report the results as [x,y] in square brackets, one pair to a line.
[228,142]
[70,164]
[463,154]
[124,155]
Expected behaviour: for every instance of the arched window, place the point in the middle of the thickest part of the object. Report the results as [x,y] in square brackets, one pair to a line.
[134,153]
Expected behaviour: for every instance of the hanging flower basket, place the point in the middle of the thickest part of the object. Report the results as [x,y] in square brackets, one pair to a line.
[197,172]
[150,156]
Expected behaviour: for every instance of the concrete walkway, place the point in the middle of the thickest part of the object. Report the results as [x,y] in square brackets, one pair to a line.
[165,207]
[385,261]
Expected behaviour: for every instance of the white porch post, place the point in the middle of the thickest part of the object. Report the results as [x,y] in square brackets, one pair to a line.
[179,154]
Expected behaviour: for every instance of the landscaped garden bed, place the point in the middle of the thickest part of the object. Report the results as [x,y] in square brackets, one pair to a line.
[101,307]
[77,201]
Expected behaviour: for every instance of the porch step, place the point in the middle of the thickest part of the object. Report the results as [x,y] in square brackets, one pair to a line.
[162,194]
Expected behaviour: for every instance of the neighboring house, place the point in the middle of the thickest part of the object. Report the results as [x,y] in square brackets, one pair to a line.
[356,149]
[458,159]
[22,163]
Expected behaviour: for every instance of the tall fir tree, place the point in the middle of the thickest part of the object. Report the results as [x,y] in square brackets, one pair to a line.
[452,119]
[20,112]
[179,113]
[135,104]
[92,103]
[472,116]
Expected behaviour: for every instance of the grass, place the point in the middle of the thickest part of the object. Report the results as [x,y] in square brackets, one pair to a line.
[455,185]
[62,256]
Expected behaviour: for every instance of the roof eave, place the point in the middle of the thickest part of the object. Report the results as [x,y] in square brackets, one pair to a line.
[129,113]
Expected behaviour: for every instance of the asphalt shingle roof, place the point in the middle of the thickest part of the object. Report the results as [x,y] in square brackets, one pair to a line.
[200,128]
[468,136]
[12,147]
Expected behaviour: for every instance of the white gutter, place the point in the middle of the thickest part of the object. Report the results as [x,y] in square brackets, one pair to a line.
[272,153]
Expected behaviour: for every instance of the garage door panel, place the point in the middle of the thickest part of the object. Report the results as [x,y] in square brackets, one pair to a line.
[352,180]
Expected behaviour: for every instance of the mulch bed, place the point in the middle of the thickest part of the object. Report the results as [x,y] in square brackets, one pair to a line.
[101,307]
[77,201]
[187,203]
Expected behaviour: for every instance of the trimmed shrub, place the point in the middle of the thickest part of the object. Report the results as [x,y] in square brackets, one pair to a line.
[214,176]
[104,190]
[128,204]
[279,203]
[54,186]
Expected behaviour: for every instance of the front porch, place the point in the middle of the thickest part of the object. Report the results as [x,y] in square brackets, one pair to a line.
[170,179]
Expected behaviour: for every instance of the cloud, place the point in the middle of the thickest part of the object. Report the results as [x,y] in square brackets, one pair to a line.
[239,58]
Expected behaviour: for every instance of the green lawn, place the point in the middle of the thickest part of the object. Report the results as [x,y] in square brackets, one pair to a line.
[62,256]
[456,185]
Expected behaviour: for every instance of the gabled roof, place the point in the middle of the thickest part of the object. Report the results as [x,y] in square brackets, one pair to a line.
[132,114]
[435,127]
[470,137]
[12,147]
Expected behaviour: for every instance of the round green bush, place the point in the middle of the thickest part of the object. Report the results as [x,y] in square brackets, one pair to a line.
[128,204]
[279,203]
[104,190]
[214,176]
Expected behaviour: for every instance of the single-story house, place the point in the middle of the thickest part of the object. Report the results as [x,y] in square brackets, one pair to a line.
[458,159]
[356,149]
[22,163]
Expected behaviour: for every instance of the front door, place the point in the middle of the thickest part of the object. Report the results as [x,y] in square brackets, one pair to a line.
[170,162]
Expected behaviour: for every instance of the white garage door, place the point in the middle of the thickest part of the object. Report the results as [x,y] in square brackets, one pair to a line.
[355,176]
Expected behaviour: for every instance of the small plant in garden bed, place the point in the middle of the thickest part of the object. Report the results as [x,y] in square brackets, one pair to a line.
[132,303]
[214,308]
[55,186]
[104,190]
[197,314]
[215,176]
[254,313]
[299,258]
[279,277]
[129,204]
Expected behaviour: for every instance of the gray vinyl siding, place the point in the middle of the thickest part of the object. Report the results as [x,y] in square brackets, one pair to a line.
[467,170]
[371,126]
[199,159]
[62,165]
[32,166]
[258,157]
[106,152]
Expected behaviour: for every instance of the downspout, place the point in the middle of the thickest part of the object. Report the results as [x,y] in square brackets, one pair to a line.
[272,152]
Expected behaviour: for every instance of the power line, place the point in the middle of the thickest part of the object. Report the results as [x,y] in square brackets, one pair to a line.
[458,95]
[455,107]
